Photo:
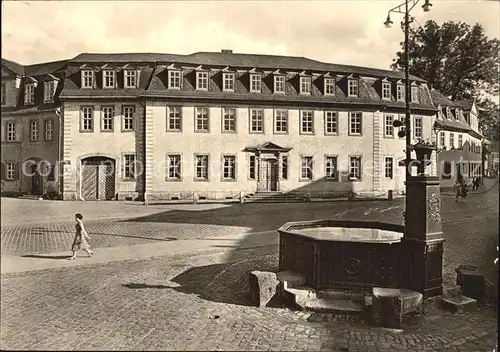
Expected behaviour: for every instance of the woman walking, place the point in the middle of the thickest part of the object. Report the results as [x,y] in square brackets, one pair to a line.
[457,190]
[81,237]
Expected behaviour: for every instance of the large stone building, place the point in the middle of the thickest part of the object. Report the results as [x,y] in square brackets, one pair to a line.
[209,125]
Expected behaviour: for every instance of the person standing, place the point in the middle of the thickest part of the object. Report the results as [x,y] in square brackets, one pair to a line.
[463,190]
[81,237]
[457,190]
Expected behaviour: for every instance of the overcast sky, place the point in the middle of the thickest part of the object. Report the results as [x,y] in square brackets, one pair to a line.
[337,31]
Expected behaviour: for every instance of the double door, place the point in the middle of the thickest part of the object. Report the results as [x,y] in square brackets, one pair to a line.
[98,179]
[268,175]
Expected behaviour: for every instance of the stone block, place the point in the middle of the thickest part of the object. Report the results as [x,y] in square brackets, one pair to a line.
[387,307]
[263,287]
[472,282]
[459,304]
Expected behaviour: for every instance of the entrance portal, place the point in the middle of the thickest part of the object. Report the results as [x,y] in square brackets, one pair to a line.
[98,178]
[269,175]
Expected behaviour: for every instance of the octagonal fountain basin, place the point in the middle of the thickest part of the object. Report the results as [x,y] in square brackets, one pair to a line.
[347,255]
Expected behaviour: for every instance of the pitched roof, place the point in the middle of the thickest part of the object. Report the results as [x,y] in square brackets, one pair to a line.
[466,104]
[439,99]
[44,68]
[13,66]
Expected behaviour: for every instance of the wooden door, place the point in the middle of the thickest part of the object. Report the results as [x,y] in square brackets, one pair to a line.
[106,180]
[89,179]
[269,175]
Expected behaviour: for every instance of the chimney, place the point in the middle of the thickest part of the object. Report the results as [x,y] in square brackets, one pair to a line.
[227,51]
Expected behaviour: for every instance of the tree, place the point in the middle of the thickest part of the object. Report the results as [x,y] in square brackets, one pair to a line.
[458,60]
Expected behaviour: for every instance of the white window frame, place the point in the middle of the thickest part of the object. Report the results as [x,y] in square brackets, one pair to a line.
[34,130]
[331,167]
[306,167]
[107,117]
[129,167]
[388,126]
[202,80]
[281,121]
[128,117]
[354,121]
[10,170]
[284,166]
[174,167]
[132,76]
[257,116]
[29,94]
[49,129]
[252,167]
[228,81]
[442,139]
[228,167]
[228,120]
[400,92]
[452,140]
[418,126]
[460,141]
[88,78]
[280,84]
[255,83]
[305,85]
[174,118]
[175,79]
[355,167]
[389,167]
[386,90]
[415,94]
[331,123]
[111,76]
[352,87]
[49,89]
[85,119]
[203,167]
[202,119]
[306,126]
[10,128]
[329,86]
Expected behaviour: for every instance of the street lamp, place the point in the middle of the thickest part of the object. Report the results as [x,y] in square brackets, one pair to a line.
[405,9]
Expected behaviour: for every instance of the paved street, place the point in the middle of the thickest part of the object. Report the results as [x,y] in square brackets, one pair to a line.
[174,277]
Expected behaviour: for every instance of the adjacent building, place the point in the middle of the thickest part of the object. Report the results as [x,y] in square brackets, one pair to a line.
[219,125]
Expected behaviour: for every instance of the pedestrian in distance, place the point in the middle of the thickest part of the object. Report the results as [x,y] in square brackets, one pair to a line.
[81,237]
[463,190]
[457,190]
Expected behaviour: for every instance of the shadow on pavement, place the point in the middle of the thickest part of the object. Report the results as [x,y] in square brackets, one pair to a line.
[41,256]
[142,286]
[165,239]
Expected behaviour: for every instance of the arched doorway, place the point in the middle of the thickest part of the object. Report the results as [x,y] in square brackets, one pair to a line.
[97,178]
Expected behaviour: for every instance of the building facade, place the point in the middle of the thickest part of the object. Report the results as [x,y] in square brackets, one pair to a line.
[219,125]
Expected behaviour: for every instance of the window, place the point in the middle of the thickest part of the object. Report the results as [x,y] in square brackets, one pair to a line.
[452,140]
[129,166]
[306,122]
[229,167]
[440,113]
[389,167]
[401,92]
[467,118]
[386,90]
[174,79]
[284,167]
[329,86]
[442,139]
[130,78]
[446,173]
[415,94]
[255,83]
[331,167]
[402,118]
[49,88]
[128,118]
[11,131]
[34,130]
[228,82]
[355,123]
[388,127]
[257,120]
[418,126]
[281,121]
[174,118]
[229,120]
[305,85]
[49,130]
[279,84]
[10,170]
[173,167]
[87,119]
[109,79]
[107,113]
[4,91]
[331,122]
[202,80]
[201,167]
[87,79]
[202,120]
[352,88]
[29,93]
[355,168]
[306,167]
[460,141]
[251,167]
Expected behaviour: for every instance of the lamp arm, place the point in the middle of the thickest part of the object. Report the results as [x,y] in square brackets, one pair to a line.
[398,9]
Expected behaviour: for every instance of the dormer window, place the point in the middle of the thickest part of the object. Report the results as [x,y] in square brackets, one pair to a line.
[386,90]
[49,89]
[448,113]
[415,96]
[352,88]
[87,79]
[130,78]
[305,85]
[202,80]
[467,118]
[174,79]
[440,113]
[228,79]
[330,86]
[29,93]
[255,83]
[400,91]
[279,84]
[109,78]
